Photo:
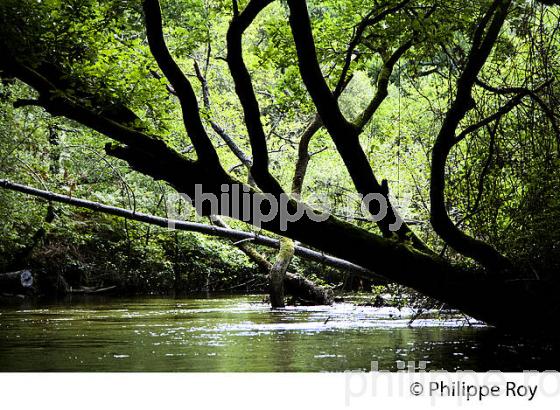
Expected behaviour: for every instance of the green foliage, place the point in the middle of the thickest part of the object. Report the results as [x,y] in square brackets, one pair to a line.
[502,188]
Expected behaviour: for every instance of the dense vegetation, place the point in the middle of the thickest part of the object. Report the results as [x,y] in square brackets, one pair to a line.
[446,108]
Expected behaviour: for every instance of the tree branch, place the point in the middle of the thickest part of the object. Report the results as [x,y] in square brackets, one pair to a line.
[344,134]
[323,98]
[247,97]
[303,154]
[366,22]
[500,112]
[183,89]
[237,151]
[483,43]
[211,230]
[26,102]
[55,101]
[382,85]
[548,111]
[385,74]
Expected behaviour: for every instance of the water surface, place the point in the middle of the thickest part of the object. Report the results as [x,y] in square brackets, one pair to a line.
[240,333]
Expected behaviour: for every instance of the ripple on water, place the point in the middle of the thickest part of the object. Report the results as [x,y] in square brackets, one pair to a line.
[238,334]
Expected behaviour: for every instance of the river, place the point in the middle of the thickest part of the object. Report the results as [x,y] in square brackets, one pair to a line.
[240,333]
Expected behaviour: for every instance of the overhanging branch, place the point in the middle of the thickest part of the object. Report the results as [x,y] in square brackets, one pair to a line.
[238,152]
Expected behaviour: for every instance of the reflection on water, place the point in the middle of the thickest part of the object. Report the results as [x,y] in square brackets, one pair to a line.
[241,334]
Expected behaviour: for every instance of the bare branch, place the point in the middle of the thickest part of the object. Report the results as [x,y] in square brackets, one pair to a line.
[548,111]
[504,109]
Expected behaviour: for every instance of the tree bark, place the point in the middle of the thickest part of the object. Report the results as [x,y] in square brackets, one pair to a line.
[345,134]
[484,39]
[294,284]
[278,271]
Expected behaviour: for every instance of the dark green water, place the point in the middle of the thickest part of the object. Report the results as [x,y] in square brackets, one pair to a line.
[241,334]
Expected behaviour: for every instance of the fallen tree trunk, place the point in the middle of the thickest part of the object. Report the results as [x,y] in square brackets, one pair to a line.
[306,291]
[212,230]
[509,302]
[16,282]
